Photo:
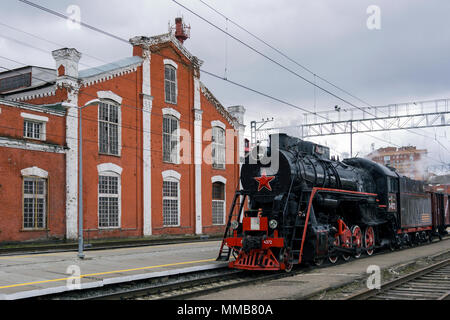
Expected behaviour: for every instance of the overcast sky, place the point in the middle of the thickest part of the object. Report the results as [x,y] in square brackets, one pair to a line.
[407,59]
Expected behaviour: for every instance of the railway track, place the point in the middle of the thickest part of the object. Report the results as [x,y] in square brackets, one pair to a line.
[183,286]
[179,286]
[429,283]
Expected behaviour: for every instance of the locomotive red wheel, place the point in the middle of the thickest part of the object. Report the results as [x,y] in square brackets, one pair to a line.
[357,240]
[336,243]
[369,240]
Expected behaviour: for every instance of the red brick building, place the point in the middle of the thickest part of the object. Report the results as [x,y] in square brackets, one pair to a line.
[408,161]
[160,153]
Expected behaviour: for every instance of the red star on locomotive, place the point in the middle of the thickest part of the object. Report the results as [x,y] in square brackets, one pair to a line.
[264,181]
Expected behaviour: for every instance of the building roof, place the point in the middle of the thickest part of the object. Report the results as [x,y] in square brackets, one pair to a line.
[56,108]
[110,67]
[166,38]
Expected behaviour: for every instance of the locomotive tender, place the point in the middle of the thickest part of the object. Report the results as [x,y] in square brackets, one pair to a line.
[313,208]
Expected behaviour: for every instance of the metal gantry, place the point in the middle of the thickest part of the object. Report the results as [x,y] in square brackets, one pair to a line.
[411,115]
[401,116]
[259,134]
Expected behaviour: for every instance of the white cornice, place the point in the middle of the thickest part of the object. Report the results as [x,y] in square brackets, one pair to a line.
[208,95]
[102,77]
[26,145]
[38,108]
[147,42]
[34,94]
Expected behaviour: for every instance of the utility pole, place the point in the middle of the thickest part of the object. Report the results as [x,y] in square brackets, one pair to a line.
[80,178]
[351,139]
[80,188]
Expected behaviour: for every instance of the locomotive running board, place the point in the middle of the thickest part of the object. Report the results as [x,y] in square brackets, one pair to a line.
[313,193]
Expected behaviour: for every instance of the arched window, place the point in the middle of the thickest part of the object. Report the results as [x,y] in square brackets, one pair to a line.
[34,198]
[170,139]
[218,203]
[170,83]
[109,128]
[109,195]
[218,147]
[171,198]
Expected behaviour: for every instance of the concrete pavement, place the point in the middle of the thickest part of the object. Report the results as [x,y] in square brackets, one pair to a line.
[23,276]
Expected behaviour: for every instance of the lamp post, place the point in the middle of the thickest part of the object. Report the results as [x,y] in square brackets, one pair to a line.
[80,186]
[80,179]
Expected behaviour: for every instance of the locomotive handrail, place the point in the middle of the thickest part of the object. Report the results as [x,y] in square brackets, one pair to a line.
[287,198]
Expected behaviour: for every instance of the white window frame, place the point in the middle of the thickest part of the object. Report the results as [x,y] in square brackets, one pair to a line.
[109,123]
[33,119]
[34,174]
[217,147]
[172,176]
[223,181]
[171,114]
[171,64]
[111,170]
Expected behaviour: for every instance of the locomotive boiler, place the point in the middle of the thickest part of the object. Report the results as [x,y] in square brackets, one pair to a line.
[305,207]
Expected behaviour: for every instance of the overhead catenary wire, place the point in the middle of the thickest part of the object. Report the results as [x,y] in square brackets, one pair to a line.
[126,41]
[281,52]
[298,64]
[134,128]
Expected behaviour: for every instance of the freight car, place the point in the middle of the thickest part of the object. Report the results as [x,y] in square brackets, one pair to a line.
[309,208]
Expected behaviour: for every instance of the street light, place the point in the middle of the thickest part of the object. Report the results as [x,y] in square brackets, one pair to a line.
[80,178]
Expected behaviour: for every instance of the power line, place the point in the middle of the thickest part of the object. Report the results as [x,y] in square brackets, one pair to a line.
[296,62]
[267,57]
[240,41]
[134,128]
[281,53]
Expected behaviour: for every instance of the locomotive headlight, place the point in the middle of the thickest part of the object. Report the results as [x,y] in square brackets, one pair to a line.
[273,224]
[234,224]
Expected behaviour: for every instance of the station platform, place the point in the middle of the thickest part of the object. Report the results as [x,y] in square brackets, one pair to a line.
[33,275]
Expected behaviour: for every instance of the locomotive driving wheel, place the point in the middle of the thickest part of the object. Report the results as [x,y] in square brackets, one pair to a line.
[357,240]
[369,240]
[334,258]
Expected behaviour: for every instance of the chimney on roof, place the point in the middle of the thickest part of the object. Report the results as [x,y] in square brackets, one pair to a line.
[66,60]
[182,31]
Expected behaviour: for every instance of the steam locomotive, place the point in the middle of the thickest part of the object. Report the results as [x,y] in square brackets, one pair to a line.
[304,207]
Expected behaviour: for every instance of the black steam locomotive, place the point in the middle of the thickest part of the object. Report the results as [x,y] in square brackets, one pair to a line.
[305,207]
